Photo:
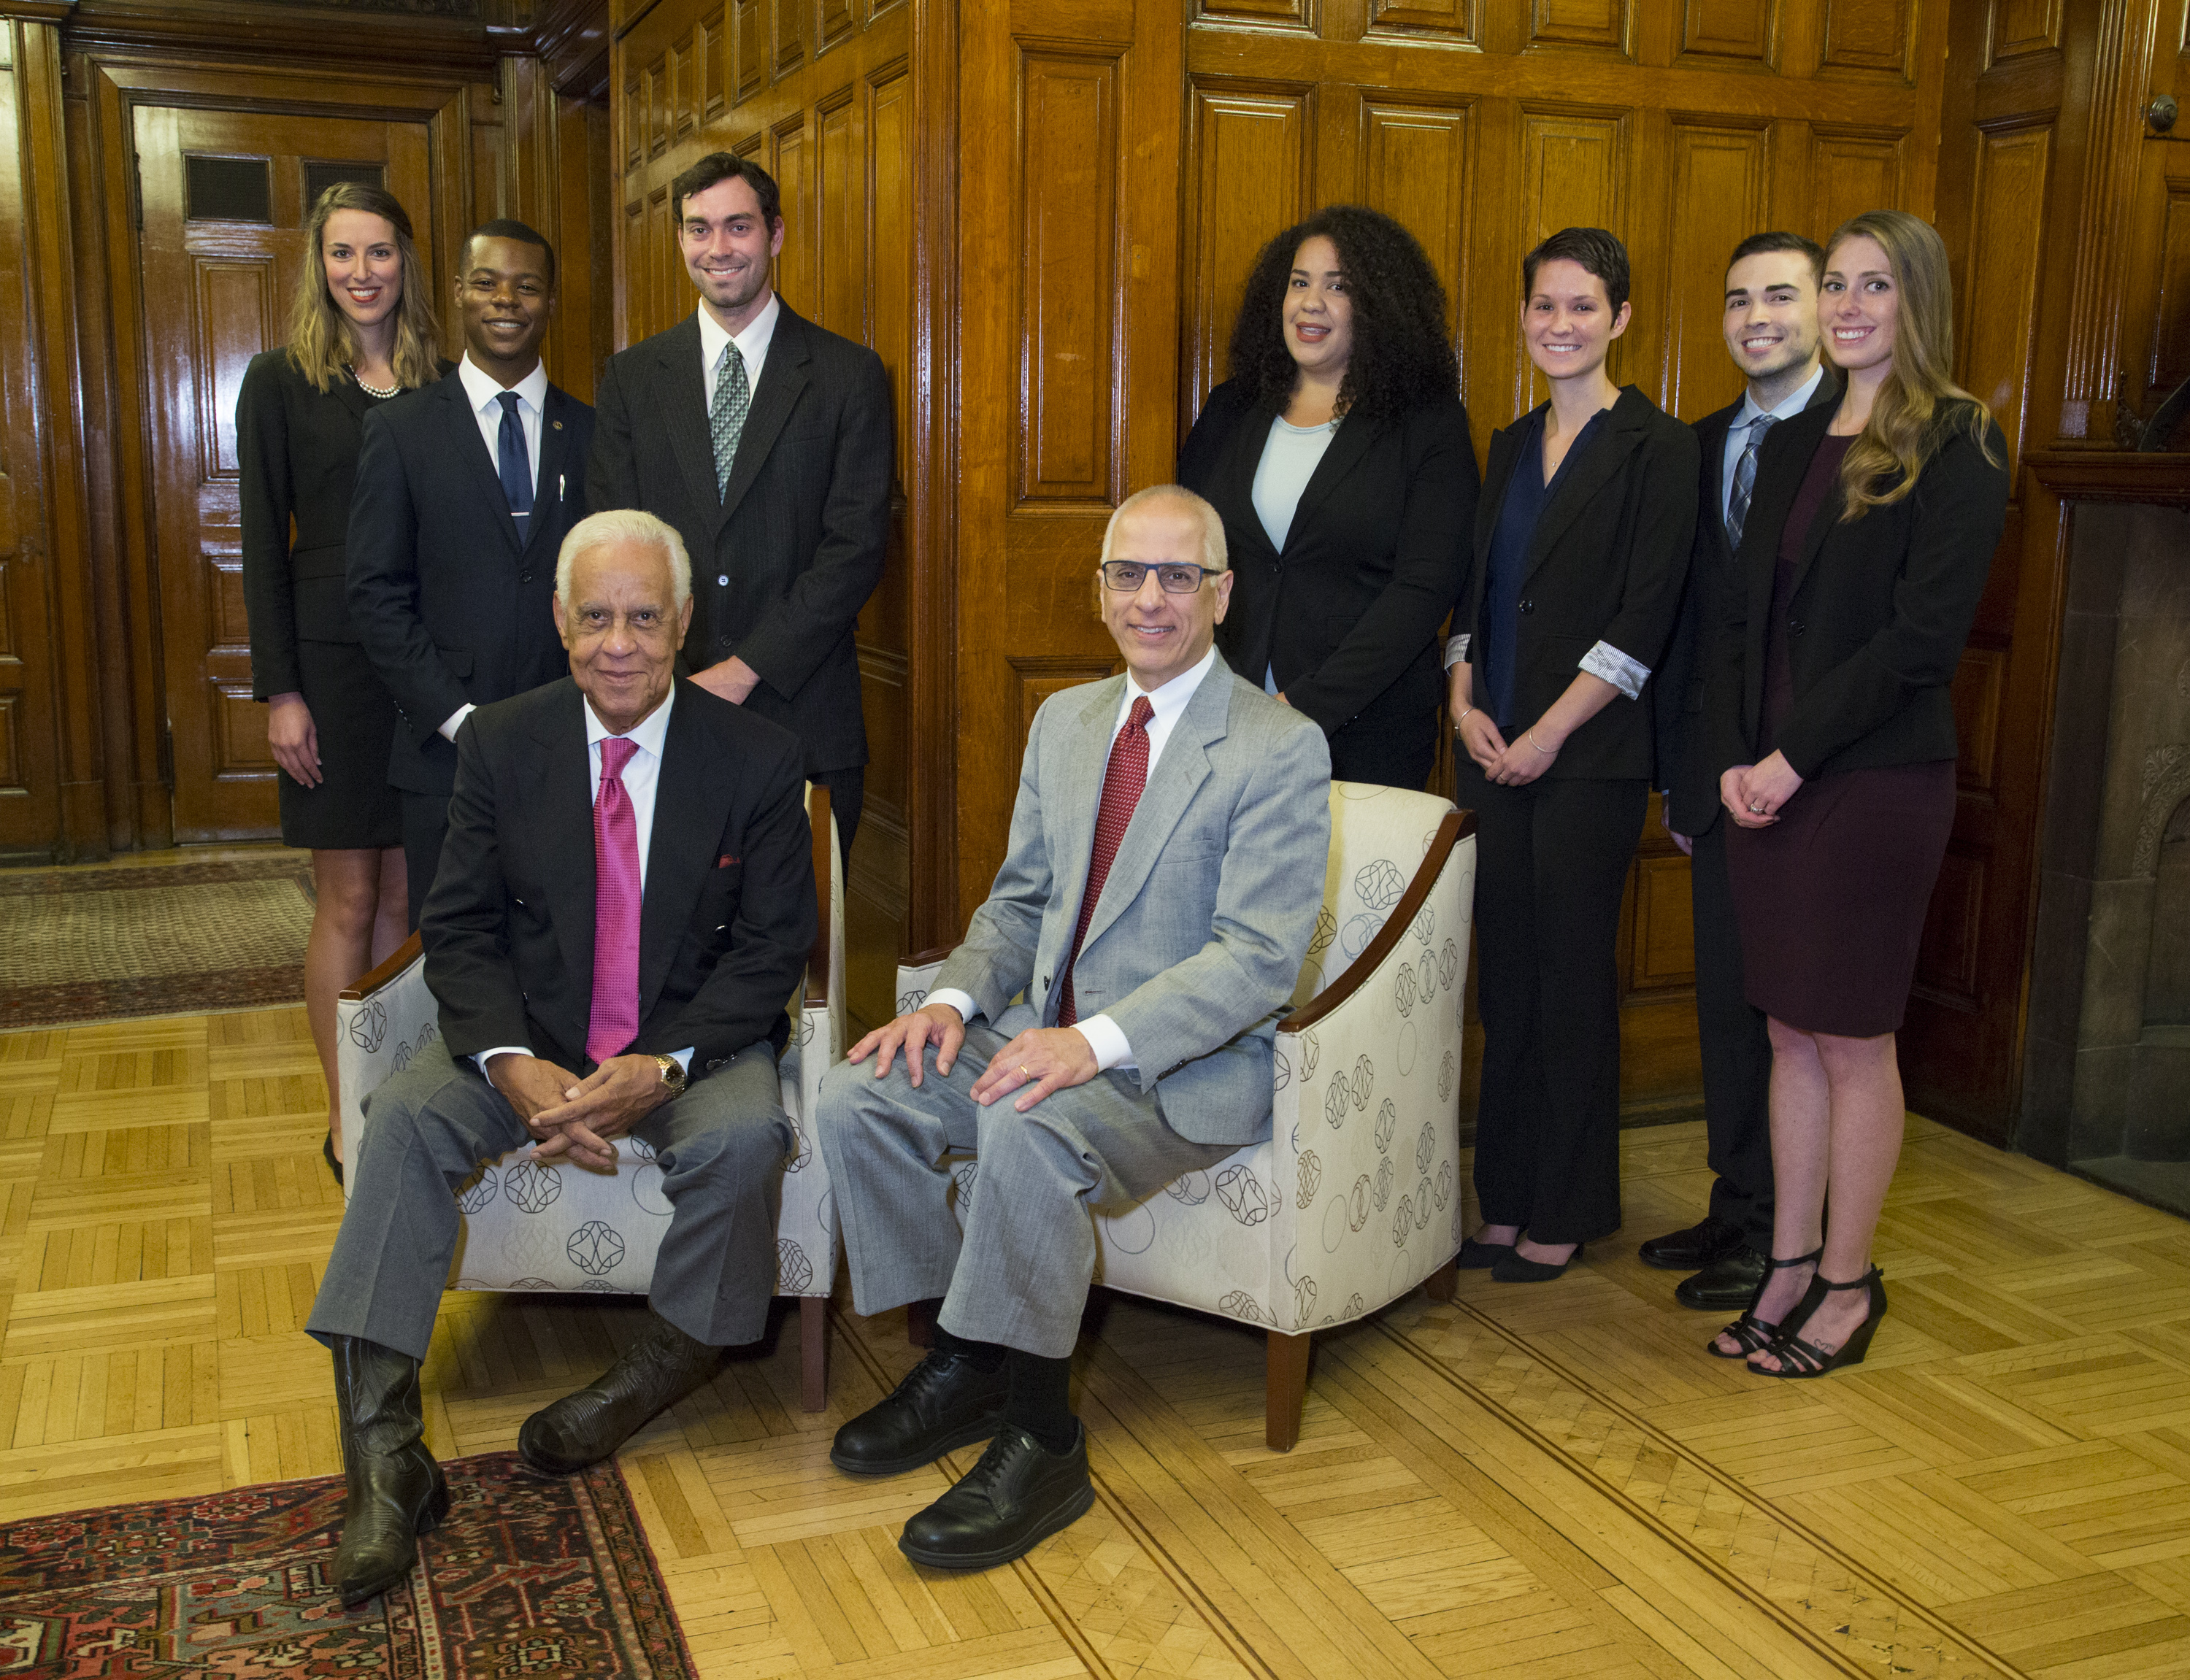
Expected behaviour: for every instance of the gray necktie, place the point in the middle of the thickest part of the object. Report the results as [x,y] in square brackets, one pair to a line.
[1744,479]
[726,420]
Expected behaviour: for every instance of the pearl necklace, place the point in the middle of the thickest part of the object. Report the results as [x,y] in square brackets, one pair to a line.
[372,390]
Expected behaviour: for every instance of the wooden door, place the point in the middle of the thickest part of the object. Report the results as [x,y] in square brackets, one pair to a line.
[224,197]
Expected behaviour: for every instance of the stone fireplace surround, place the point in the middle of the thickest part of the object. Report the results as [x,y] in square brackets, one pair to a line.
[2106,1085]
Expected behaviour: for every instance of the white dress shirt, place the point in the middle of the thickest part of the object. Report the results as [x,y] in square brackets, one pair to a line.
[1737,434]
[752,345]
[484,394]
[1104,1035]
[641,771]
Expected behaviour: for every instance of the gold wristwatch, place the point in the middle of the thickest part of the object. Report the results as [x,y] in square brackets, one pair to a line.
[672,1074]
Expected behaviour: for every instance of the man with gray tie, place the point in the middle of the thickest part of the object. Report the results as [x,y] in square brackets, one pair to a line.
[766,440]
[465,489]
[1166,864]
[1771,326]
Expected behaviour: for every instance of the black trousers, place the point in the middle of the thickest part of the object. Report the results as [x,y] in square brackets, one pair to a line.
[1550,867]
[425,825]
[1737,1052]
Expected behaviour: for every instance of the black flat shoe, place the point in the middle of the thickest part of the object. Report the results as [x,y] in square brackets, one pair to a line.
[1730,1281]
[327,1149]
[1481,1256]
[1517,1268]
[1016,1497]
[946,1401]
[657,1370]
[1800,1359]
[1692,1250]
[1751,1332]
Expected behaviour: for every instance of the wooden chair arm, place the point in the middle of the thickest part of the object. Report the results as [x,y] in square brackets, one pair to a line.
[1455,827]
[399,960]
[825,860]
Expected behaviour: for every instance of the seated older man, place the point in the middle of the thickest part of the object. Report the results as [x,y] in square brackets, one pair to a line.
[1166,863]
[624,901]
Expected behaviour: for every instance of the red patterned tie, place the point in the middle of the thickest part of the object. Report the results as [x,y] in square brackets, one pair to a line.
[615,1022]
[1121,791]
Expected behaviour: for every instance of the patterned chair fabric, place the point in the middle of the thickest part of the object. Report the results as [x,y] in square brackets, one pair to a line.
[532,1226]
[1355,1196]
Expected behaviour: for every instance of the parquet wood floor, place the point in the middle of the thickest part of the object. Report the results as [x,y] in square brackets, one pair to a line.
[1538,1480]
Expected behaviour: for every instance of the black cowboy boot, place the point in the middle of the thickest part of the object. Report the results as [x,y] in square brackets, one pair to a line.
[660,1369]
[396,1490]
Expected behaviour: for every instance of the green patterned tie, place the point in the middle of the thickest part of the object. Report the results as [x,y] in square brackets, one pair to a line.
[727,419]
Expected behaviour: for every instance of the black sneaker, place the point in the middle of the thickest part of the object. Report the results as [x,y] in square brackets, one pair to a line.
[946,1402]
[1016,1497]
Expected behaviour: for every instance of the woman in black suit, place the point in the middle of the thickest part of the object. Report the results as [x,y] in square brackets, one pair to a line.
[1871,534]
[1338,454]
[1581,547]
[361,331]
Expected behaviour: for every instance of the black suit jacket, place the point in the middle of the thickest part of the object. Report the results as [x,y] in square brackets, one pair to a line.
[453,610]
[1347,615]
[1684,754]
[1881,608]
[728,914]
[783,560]
[1607,565]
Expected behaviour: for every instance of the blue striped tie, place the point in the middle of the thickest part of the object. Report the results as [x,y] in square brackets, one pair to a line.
[1744,479]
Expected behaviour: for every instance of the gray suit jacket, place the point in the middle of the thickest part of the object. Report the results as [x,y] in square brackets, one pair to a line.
[1205,920]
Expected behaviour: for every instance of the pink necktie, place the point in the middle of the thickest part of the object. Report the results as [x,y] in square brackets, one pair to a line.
[615,1022]
[1121,791]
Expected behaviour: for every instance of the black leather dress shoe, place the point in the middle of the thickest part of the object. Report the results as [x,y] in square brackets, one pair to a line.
[945,1402]
[658,1370]
[395,1491]
[1694,1248]
[1730,1281]
[1016,1497]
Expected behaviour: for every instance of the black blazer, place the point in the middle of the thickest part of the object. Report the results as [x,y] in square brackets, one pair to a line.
[453,610]
[1607,565]
[1347,615]
[1881,610]
[299,449]
[1684,754]
[783,560]
[728,916]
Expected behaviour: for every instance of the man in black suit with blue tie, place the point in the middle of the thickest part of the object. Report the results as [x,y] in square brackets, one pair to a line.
[766,440]
[1771,327]
[465,489]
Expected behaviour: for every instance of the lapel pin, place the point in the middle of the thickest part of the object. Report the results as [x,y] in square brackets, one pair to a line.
[557,424]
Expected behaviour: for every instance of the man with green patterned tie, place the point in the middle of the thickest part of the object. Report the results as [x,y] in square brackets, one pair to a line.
[766,440]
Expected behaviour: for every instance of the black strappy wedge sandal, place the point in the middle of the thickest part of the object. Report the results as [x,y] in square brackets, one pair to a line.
[1800,1359]
[1752,1332]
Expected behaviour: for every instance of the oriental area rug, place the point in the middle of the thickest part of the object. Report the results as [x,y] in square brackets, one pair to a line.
[547,1577]
[79,945]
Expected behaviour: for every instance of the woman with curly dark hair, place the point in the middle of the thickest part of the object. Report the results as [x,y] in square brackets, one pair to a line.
[1338,454]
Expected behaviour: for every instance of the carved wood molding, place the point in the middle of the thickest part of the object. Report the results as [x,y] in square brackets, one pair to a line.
[2112,475]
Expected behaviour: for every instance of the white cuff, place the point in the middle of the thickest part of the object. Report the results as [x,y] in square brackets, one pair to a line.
[961,1001]
[1107,1039]
[1607,662]
[486,1056]
[684,1059]
[1456,651]
[455,721]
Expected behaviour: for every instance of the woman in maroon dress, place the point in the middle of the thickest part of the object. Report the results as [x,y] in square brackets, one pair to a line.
[1870,533]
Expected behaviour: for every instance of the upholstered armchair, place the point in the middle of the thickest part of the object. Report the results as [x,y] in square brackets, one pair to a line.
[535,1226]
[1355,1196]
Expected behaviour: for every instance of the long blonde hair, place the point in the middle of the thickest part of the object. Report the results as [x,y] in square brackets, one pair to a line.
[1918,402]
[322,342]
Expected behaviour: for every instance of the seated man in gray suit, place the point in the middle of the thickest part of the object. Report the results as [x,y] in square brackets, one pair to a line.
[623,904]
[1166,864]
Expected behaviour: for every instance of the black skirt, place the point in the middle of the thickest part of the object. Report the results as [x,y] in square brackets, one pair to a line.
[352,809]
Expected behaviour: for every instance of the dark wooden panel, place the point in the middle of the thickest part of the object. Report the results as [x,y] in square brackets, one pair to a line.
[1416,163]
[1872,36]
[1743,32]
[1999,291]
[1664,951]
[1299,14]
[1718,188]
[1249,181]
[239,732]
[1036,676]
[794,267]
[1458,21]
[13,775]
[2171,329]
[840,194]
[834,23]
[1067,201]
[715,66]
[1580,23]
[1574,173]
[1946,959]
[787,22]
[1979,692]
[749,51]
[235,315]
[1853,169]
[2021,29]
[890,252]
[232,623]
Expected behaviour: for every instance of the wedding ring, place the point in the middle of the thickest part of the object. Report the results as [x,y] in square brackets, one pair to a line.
[1755,810]
[1024,1074]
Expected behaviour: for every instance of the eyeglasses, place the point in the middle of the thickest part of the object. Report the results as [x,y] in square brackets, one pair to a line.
[1128,575]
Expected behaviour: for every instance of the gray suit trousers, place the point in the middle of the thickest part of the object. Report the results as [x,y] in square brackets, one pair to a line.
[720,1147]
[1020,1274]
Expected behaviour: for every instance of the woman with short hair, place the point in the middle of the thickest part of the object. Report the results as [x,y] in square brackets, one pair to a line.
[361,331]
[1870,536]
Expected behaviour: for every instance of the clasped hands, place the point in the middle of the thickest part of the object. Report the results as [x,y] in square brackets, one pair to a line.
[1508,764]
[582,1118]
[1039,1060]
[1754,794]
